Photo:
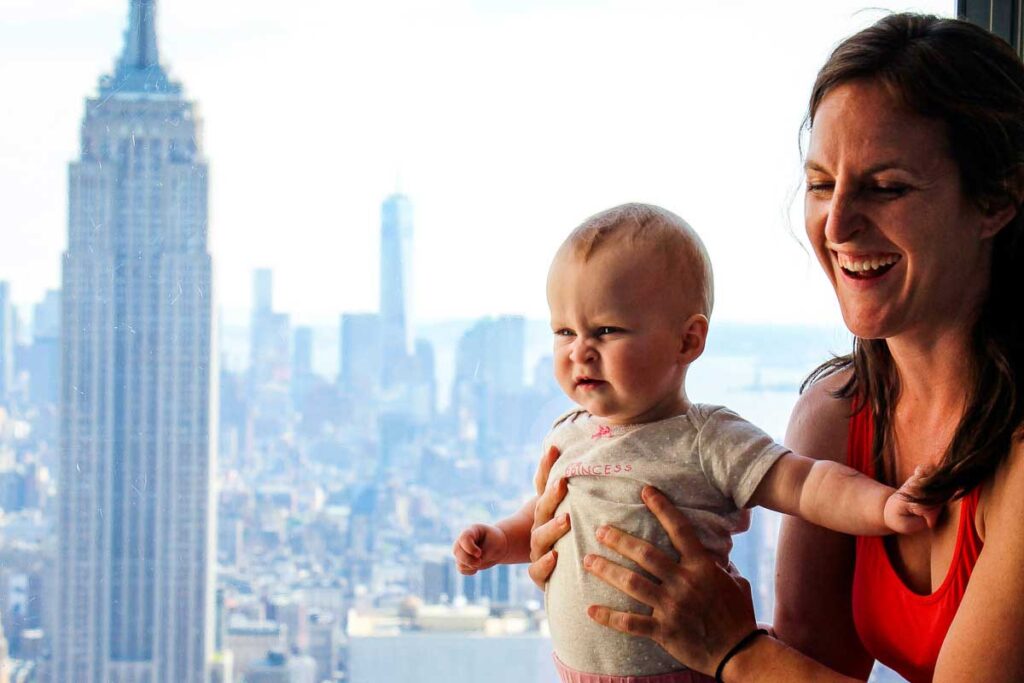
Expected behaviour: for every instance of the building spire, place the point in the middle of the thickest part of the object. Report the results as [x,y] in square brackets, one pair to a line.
[140,38]
[138,68]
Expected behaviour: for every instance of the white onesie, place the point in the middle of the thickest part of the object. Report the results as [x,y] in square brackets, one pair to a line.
[708,462]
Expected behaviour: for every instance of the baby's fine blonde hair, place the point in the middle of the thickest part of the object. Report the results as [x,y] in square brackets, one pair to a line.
[647,226]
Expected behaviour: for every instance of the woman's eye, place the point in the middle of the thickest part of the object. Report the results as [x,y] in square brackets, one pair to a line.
[819,187]
[890,190]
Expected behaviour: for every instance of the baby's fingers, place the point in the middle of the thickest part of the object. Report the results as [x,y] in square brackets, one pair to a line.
[930,513]
[915,481]
[466,548]
[465,569]
[469,546]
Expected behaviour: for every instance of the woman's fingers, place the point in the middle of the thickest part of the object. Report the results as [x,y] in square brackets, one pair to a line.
[544,536]
[629,582]
[540,480]
[678,528]
[645,554]
[540,569]
[548,502]
[627,622]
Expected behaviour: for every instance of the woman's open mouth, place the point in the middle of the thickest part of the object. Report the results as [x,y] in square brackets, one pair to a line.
[866,267]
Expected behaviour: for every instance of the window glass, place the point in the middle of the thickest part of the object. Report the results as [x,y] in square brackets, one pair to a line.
[273,324]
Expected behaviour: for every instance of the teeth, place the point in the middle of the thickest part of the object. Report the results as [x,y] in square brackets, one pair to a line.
[860,265]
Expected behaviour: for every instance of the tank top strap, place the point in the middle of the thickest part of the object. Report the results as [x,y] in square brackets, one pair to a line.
[970,540]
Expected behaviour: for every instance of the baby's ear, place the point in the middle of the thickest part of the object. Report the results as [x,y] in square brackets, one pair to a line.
[693,338]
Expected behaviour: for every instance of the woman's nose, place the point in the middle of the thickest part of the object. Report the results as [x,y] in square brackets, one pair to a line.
[844,219]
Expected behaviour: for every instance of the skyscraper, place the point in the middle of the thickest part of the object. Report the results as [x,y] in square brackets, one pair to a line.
[395,287]
[6,340]
[134,593]
[270,332]
[360,354]
[44,355]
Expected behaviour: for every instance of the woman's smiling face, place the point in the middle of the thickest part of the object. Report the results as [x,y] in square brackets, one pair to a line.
[885,211]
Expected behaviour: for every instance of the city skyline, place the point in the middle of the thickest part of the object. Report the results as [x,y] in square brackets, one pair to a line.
[502,153]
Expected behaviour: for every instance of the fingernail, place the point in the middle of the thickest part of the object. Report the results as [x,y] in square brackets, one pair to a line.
[564,521]
[646,492]
[601,532]
[588,561]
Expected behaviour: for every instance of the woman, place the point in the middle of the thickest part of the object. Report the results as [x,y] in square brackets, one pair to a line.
[914,179]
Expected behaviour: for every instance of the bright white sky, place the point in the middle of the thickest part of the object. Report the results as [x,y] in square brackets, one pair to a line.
[506,121]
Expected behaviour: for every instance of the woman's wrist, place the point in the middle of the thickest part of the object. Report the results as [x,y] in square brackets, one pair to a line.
[746,664]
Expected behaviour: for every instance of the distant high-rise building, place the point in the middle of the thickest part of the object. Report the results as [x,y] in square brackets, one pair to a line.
[134,561]
[270,332]
[44,354]
[7,334]
[395,287]
[487,392]
[360,361]
[302,363]
[262,290]
[46,315]
[324,643]
[493,352]
[302,356]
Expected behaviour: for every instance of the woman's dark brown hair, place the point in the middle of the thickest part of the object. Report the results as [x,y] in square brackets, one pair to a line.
[960,74]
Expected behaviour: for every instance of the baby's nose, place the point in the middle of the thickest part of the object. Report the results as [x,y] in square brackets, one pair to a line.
[582,351]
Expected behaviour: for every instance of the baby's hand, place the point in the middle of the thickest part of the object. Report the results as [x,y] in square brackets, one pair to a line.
[479,547]
[904,516]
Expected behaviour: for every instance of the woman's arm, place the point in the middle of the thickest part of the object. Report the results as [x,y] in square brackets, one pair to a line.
[814,566]
[984,641]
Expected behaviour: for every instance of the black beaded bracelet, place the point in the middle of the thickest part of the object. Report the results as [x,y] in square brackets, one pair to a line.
[744,641]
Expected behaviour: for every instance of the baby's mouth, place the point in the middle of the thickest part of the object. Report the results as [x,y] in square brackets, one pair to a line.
[588,382]
[867,267]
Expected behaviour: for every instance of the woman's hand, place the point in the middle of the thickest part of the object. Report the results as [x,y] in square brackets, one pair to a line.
[546,528]
[700,609]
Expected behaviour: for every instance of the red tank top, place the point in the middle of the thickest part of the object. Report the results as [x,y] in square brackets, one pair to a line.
[900,628]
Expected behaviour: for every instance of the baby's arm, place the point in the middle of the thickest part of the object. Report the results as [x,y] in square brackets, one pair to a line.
[840,498]
[482,546]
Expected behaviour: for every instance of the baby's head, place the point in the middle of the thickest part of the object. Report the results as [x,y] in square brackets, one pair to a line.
[630,293]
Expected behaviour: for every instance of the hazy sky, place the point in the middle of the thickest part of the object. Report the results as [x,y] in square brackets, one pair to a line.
[506,121]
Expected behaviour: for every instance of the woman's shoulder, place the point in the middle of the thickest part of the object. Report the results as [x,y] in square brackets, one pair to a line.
[819,424]
[1002,497]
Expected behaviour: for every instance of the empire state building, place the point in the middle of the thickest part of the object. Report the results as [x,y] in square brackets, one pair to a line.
[133,601]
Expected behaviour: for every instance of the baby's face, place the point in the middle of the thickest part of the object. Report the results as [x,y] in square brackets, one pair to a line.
[619,336]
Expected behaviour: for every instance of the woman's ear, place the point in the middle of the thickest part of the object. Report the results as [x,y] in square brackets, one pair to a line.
[694,336]
[998,214]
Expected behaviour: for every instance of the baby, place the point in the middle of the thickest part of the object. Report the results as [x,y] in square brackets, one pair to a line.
[630,293]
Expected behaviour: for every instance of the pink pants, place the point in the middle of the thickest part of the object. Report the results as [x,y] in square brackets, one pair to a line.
[572,676]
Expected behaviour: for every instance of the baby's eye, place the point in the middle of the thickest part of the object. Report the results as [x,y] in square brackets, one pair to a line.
[564,333]
[601,331]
